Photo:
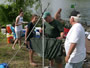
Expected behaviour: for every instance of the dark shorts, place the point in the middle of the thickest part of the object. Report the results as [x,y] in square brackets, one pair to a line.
[58,59]
[30,45]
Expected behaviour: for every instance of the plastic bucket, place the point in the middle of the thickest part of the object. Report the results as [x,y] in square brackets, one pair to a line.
[4,65]
[37,28]
[8,28]
[1,66]
[3,30]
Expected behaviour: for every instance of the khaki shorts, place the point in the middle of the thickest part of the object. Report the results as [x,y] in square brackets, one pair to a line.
[18,34]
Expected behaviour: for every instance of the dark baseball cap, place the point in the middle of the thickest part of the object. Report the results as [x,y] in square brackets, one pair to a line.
[74,13]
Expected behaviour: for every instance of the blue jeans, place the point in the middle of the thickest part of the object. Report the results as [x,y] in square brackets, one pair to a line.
[74,65]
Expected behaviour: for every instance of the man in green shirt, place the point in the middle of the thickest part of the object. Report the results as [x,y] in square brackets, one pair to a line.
[53,29]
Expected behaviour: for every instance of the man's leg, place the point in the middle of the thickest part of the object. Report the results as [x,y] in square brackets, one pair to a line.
[19,41]
[13,47]
[20,37]
[51,63]
[58,60]
[31,52]
[31,55]
[60,65]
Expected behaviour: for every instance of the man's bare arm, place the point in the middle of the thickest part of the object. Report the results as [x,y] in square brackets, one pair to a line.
[61,36]
[26,33]
[71,49]
[58,12]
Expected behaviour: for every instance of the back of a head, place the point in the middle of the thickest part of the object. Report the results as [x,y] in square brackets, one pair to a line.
[76,15]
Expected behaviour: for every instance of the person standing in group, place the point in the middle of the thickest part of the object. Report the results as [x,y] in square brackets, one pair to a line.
[53,29]
[27,38]
[18,29]
[75,43]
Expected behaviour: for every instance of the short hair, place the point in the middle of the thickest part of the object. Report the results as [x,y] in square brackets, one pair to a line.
[33,16]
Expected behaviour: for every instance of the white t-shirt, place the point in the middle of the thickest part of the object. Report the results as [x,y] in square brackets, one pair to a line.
[19,28]
[76,35]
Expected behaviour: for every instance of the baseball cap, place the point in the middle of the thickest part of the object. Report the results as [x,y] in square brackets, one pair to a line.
[74,13]
[46,14]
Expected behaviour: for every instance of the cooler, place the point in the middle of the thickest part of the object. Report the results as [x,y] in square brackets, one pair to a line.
[9,38]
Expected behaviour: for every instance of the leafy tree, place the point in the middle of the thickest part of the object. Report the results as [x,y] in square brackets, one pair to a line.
[8,13]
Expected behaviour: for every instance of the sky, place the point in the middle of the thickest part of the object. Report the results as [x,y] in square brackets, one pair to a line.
[3,2]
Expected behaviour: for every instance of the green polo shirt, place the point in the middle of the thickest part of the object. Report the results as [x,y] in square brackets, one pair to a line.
[53,29]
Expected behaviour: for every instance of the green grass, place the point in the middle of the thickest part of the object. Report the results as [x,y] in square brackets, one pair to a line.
[2,37]
[22,58]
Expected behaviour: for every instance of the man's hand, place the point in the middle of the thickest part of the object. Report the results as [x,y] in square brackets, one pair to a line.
[26,42]
[60,38]
[40,31]
[67,58]
[24,22]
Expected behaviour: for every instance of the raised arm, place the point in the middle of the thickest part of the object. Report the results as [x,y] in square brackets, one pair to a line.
[57,14]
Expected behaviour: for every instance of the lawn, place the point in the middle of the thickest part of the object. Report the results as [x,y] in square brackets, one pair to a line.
[22,58]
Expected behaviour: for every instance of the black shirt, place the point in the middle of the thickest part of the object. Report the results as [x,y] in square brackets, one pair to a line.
[30,26]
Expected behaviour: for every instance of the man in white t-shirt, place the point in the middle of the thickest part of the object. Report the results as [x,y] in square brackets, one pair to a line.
[18,29]
[75,43]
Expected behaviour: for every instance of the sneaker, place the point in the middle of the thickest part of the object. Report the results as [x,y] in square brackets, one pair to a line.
[85,60]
